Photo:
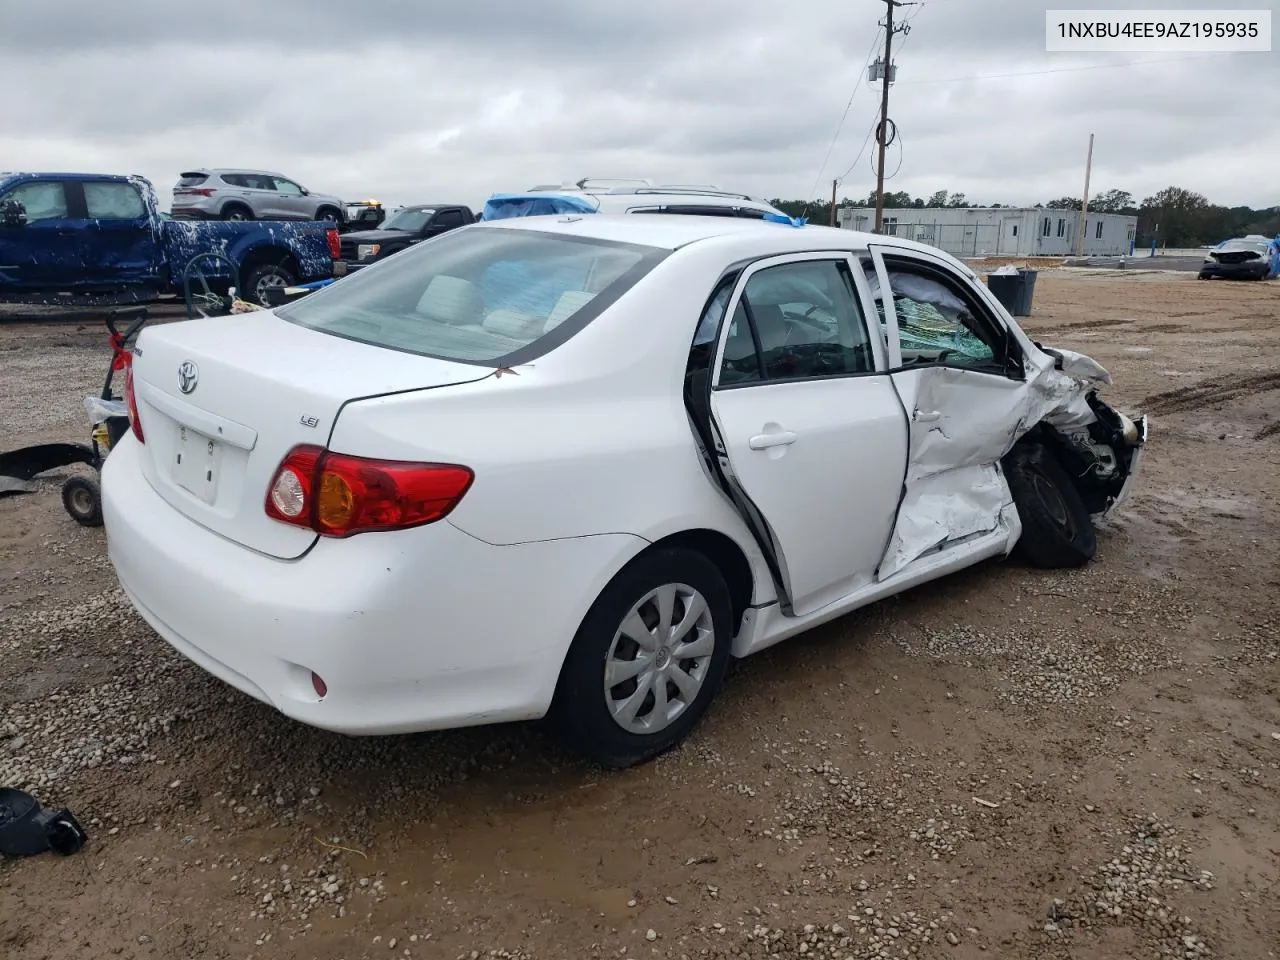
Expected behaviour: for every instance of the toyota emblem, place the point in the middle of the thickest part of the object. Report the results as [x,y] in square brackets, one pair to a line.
[188,376]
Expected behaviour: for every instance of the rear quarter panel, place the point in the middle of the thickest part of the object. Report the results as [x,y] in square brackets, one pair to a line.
[305,243]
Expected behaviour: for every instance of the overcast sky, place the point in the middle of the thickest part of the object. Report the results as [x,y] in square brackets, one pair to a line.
[450,100]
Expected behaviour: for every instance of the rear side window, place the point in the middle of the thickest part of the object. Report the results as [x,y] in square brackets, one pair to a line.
[797,321]
[114,201]
[448,218]
[40,201]
[486,296]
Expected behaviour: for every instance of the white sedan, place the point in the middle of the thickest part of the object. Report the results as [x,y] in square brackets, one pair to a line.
[569,466]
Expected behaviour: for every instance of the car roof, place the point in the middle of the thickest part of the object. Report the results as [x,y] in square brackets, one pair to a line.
[673,231]
[268,173]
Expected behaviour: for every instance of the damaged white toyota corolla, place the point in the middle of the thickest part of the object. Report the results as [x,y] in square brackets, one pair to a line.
[570,466]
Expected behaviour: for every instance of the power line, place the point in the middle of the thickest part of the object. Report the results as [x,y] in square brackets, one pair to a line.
[887,72]
[844,116]
[1037,73]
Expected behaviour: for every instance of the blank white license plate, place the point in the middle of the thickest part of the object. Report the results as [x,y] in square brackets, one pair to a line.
[195,464]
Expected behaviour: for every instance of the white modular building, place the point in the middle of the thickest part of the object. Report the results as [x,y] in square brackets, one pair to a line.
[1001,231]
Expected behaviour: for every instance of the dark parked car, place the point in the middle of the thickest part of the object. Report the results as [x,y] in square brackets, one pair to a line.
[77,235]
[1244,258]
[403,229]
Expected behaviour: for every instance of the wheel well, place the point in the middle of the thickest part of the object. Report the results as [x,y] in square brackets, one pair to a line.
[726,555]
[328,206]
[233,205]
[274,256]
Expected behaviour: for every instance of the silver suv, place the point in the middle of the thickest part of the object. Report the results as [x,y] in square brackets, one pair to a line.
[250,195]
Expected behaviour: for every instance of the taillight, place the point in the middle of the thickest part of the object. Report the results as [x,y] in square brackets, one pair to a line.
[339,495]
[335,244]
[131,401]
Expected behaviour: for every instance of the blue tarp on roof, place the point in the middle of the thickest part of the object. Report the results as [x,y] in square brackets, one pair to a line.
[500,206]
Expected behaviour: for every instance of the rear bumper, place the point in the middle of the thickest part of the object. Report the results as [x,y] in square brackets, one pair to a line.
[415,630]
[1250,270]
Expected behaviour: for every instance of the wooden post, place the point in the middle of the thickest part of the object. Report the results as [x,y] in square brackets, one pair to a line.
[1084,201]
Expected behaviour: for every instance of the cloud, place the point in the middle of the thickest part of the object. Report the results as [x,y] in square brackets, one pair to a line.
[408,100]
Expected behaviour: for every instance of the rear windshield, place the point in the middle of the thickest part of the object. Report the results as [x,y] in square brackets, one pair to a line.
[192,179]
[477,295]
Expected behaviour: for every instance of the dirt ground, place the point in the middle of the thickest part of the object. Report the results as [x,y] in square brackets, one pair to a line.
[1006,763]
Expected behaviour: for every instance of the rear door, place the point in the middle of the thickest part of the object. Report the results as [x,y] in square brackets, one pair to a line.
[120,240]
[444,221]
[44,252]
[257,192]
[962,381]
[811,436]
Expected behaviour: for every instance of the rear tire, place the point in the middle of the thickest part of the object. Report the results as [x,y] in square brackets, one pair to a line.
[82,498]
[1057,530]
[645,712]
[236,212]
[260,278]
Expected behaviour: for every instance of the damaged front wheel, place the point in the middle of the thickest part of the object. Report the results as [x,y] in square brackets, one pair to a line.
[1057,530]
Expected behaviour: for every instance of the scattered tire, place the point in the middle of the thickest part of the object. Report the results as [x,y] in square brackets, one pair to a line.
[82,498]
[262,278]
[236,212]
[632,686]
[1057,530]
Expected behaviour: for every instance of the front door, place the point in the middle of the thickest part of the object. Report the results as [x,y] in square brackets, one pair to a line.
[44,252]
[1008,243]
[960,375]
[292,202]
[812,437]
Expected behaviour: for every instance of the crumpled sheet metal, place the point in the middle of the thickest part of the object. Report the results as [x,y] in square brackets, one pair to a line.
[954,486]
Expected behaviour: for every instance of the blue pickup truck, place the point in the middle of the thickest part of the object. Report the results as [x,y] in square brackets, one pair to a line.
[72,237]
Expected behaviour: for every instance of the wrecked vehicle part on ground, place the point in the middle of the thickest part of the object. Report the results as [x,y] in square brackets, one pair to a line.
[73,237]
[26,829]
[789,451]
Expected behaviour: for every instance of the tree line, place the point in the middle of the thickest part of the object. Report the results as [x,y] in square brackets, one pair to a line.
[1173,217]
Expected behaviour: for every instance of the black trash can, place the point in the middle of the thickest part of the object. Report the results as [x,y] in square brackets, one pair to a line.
[1015,293]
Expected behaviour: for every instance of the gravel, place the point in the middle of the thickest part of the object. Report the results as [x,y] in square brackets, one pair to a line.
[1143,887]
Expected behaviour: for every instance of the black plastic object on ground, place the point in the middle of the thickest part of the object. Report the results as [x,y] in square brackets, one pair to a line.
[1014,292]
[26,830]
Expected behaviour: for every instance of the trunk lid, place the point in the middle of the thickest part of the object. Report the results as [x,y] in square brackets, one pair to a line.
[222,400]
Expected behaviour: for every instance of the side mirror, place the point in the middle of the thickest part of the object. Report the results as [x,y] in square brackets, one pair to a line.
[305,191]
[13,214]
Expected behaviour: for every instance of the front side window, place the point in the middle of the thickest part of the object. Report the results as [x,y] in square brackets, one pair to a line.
[286,187]
[448,218]
[941,322]
[477,296]
[114,201]
[797,321]
[40,201]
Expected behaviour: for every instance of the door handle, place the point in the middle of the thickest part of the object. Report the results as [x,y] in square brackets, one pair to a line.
[766,440]
[928,416]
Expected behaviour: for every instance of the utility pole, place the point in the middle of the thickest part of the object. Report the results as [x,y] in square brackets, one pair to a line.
[834,184]
[1084,201]
[882,131]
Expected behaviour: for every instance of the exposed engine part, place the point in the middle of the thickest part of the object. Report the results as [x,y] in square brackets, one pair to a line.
[1099,457]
